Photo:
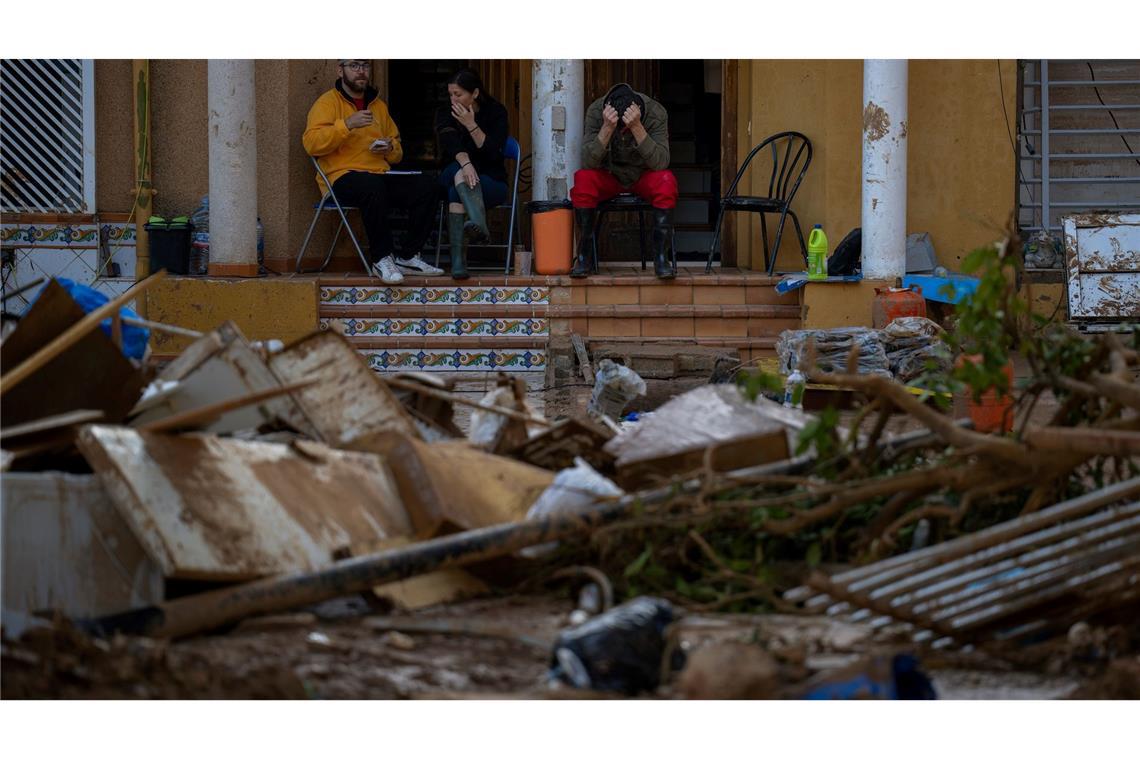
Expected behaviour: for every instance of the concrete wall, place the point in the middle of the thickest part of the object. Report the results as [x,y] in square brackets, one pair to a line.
[960,165]
[285,178]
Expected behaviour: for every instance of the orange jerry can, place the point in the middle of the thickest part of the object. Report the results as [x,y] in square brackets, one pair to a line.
[893,303]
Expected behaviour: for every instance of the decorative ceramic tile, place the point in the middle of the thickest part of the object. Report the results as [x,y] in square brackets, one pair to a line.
[443,295]
[524,327]
[468,360]
[49,235]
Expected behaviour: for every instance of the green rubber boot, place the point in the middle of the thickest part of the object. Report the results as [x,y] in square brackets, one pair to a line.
[476,228]
[455,239]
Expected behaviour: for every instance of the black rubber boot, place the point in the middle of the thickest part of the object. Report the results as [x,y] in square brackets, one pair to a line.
[476,227]
[458,245]
[584,220]
[662,236]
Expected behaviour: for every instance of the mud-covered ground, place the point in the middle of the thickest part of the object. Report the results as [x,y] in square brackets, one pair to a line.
[498,648]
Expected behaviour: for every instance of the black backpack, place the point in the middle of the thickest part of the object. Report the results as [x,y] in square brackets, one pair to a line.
[848,256]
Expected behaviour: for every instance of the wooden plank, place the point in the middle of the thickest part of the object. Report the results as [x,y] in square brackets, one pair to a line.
[583,357]
[215,508]
[66,548]
[209,413]
[350,401]
[90,374]
[53,423]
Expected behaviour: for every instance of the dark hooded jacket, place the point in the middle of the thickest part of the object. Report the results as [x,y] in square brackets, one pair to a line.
[623,157]
[455,138]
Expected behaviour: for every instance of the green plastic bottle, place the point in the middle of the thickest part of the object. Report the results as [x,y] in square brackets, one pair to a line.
[817,253]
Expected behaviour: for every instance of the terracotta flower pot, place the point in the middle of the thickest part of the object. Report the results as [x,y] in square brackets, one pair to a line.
[993,413]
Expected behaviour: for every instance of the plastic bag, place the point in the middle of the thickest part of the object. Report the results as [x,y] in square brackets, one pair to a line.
[134,338]
[620,650]
[574,491]
[485,425]
[614,387]
[911,342]
[832,348]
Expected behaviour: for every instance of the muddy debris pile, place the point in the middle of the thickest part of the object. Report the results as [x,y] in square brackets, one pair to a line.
[146,505]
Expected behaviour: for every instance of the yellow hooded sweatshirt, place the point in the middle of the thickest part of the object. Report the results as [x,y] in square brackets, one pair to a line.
[340,150]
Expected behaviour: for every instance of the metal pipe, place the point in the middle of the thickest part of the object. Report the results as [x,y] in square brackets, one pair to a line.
[144,191]
[1045,174]
[884,168]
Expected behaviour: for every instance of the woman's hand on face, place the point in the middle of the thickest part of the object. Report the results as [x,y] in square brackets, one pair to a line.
[470,176]
[465,116]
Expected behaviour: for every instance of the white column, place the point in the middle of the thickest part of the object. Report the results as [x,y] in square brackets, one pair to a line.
[884,168]
[556,126]
[233,168]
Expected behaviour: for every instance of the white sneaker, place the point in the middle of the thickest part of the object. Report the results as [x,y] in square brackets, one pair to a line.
[416,265]
[388,271]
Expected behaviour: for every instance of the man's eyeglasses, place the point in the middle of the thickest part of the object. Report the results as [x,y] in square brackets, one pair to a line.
[357,66]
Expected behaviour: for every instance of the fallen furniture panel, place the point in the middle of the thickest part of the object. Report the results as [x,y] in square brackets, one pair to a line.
[66,548]
[350,401]
[452,484]
[219,366]
[213,508]
[555,448]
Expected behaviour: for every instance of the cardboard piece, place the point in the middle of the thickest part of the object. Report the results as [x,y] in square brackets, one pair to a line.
[451,485]
[216,508]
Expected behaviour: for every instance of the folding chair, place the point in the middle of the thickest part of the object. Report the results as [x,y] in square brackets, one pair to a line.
[780,195]
[631,202]
[329,202]
[513,152]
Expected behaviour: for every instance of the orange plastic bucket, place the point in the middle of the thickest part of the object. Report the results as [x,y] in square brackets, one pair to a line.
[992,413]
[552,229]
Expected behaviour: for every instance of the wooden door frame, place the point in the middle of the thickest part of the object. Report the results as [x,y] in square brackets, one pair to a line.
[729,105]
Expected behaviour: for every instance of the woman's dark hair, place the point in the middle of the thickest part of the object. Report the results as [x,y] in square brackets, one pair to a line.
[469,80]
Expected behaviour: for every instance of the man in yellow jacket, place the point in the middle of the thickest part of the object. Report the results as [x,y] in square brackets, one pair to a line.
[354,139]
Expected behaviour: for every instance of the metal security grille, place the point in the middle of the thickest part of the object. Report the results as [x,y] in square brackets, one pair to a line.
[1080,139]
[47,135]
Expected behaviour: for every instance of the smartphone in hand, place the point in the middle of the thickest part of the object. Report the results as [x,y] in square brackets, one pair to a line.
[380,144]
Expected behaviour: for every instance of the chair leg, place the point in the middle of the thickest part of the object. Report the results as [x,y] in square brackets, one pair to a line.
[764,237]
[800,235]
[510,239]
[355,242]
[308,237]
[439,232]
[328,256]
[776,245]
[641,237]
[715,240]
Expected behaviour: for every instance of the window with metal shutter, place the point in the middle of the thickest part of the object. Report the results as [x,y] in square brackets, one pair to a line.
[47,135]
[1079,141]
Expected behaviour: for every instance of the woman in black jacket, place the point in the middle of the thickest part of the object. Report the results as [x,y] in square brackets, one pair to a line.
[472,130]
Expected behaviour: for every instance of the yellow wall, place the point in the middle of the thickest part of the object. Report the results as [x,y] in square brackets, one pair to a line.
[960,165]
[263,308]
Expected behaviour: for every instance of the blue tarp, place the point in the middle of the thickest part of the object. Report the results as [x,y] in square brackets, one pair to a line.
[89,299]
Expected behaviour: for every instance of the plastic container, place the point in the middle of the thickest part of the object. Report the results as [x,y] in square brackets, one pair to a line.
[200,240]
[169,246]
[794,390]
[993,413]
[894,303]
[552,227]
[817,253]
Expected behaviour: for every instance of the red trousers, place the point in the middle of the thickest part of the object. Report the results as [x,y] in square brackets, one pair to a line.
[593,186]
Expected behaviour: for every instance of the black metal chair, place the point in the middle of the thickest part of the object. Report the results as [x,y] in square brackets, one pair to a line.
[781,190]
[630,202]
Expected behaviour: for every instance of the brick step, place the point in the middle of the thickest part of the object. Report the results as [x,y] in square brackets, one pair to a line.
[676,311]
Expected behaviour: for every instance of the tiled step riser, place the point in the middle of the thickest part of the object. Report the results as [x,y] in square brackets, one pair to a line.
[368,295]
[456,359]
[438,328]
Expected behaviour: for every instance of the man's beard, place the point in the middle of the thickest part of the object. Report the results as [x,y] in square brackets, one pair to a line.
[356,87]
